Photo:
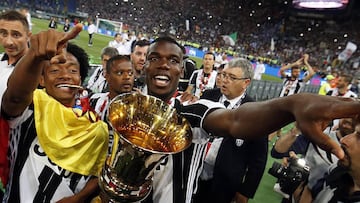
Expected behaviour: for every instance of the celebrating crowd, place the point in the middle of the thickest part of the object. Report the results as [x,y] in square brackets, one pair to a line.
[56,135]
[255,23]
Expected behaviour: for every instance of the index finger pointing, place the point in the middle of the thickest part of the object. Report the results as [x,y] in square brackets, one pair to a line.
[72,34]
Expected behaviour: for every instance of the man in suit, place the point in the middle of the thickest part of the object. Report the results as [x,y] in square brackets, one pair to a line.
[233,167]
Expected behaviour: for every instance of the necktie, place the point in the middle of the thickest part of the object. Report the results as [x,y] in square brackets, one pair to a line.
[226,103]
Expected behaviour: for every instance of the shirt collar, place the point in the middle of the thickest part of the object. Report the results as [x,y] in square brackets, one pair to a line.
[5,57]
[233,102]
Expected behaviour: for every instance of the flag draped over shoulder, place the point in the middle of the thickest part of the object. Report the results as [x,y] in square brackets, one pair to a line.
[78,144]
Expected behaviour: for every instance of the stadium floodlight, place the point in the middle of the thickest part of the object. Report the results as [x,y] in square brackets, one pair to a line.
[320,4]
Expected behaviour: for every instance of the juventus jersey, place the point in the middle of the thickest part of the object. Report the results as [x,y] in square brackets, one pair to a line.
[176,179]
[335,92]
[34,177]
[97,82]
[201,81]
[291,87]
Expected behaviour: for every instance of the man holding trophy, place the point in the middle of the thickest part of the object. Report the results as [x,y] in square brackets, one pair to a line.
[164,147]
[175,177]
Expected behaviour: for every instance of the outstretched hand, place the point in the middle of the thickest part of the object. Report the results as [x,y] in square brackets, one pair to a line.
[314,115]
[51,44]
[324,141]
[299,62]
[306,58]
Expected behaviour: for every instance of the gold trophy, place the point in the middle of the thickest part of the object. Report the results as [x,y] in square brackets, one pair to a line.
[146,130]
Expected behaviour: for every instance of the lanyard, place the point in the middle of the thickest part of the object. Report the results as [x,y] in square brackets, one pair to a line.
[237,104]
[204,80]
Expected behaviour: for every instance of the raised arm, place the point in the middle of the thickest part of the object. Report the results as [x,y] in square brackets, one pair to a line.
[283,144]
[288,66]
[45,47]
[312,113]
[309,68]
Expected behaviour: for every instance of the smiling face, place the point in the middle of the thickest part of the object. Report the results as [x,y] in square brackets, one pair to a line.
[58,74]
[163,68]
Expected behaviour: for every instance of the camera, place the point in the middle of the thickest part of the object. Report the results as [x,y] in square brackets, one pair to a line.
[290,177]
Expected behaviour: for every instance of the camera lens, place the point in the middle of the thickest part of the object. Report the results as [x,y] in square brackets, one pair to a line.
[275,170]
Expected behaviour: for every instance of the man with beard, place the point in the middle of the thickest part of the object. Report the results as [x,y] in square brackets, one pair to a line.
[342,183]
[292,84]
[175,180]
[342,88]
[138,57]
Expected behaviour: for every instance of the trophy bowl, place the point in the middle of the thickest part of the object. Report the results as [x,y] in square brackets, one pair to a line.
[146,130]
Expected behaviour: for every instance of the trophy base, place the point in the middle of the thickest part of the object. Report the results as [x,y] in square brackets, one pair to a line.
[115,191]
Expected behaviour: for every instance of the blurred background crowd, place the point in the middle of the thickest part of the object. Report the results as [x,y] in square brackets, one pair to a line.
[270,29]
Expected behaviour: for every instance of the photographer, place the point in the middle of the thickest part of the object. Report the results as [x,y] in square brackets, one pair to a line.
[293,172]
[292,176]
[318,160]
[292,140]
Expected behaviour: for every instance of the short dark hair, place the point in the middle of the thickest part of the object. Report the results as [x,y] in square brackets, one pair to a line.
[348,78]
[111,61]
[169,39]
[210,53]
[109,51]
[140,43]
[117,34]
[82,58]
[13,15]
[296,67]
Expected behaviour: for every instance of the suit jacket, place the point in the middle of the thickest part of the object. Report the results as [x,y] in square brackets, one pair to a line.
[238,167]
